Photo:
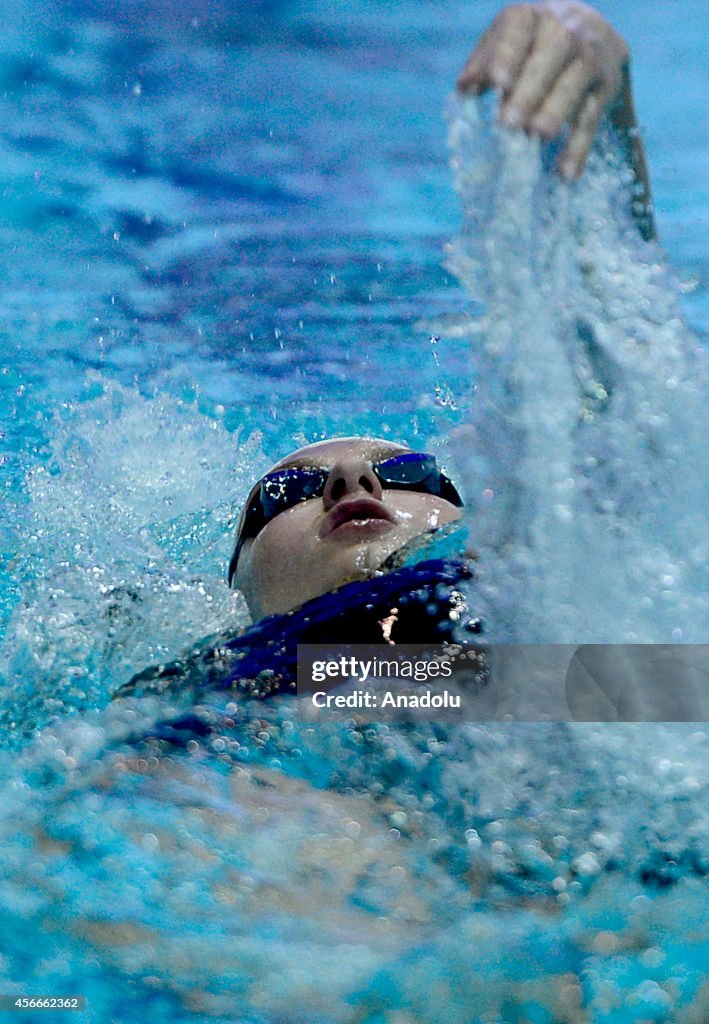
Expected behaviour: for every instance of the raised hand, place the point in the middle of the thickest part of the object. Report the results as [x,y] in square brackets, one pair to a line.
[553,63]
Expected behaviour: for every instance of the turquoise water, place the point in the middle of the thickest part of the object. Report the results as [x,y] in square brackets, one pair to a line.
[225,234]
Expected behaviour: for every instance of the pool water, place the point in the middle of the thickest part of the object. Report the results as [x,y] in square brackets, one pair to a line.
[230,231]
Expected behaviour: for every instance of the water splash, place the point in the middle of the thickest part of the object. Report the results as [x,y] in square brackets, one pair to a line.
[585,458]
[121,542]
[187,880]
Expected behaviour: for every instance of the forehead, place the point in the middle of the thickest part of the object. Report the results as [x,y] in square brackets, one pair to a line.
[326,453]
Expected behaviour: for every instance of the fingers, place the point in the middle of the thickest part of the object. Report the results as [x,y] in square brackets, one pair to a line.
[583,131]
[563,102]
[497,59]
[554,63]
[475,75]
[552,51]
[511,45]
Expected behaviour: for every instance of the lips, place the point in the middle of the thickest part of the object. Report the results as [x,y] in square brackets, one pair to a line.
[359,511]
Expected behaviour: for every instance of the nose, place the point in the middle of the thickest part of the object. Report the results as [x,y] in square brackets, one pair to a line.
[350,478]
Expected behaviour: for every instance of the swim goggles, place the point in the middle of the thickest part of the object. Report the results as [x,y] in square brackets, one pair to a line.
[284,488]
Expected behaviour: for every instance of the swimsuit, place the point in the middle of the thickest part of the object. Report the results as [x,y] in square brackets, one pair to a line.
[414,604]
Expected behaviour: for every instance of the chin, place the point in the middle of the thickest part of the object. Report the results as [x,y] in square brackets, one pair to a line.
[360,562]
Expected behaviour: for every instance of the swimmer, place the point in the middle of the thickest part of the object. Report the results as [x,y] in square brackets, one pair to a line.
[558,67]
[324,545]
[331,547]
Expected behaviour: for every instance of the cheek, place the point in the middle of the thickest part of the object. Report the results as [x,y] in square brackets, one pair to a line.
[283,543]
[421,512]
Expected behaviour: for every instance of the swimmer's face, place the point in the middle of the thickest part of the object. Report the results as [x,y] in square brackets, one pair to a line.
[345,534]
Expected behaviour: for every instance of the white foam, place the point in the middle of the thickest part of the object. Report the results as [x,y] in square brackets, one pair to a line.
[122,552]
[585,460]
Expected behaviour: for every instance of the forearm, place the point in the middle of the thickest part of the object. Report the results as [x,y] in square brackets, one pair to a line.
[623,119]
